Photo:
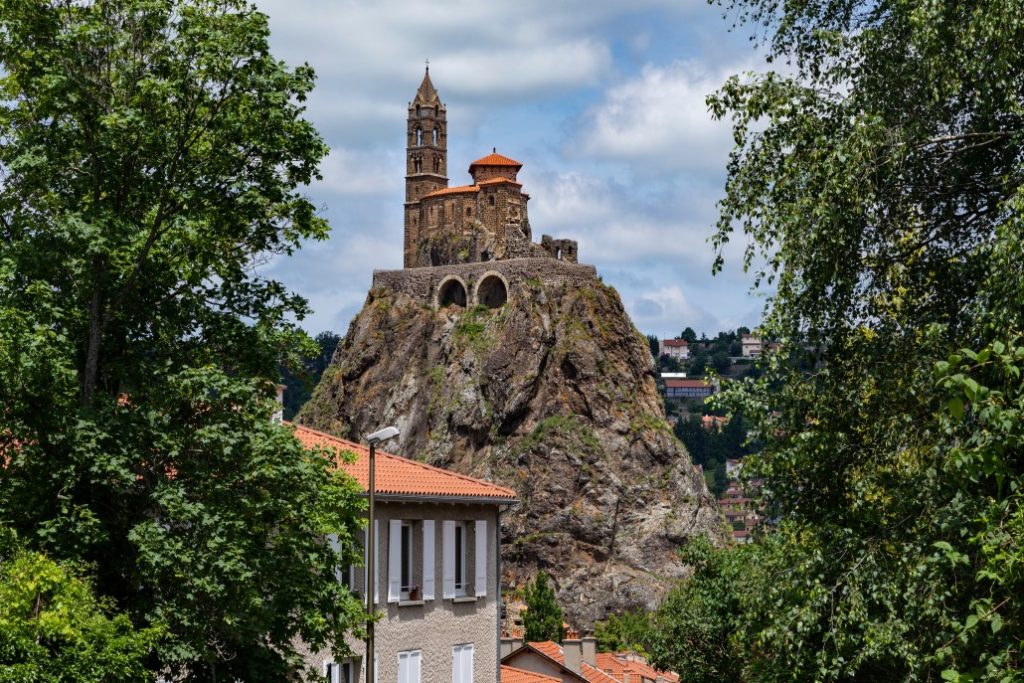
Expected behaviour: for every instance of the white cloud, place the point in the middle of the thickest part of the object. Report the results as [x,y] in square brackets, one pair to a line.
[361,172]
[660,119]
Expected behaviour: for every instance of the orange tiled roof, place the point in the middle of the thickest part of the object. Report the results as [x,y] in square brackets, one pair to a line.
[400,476]
[513,675]
[553,651]
[495,159]
[687,383]
[674,342]
[495,181]
[452,190]
[628,670]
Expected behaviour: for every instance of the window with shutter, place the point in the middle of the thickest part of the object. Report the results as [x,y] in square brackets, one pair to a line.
[394,560]
[480,558]
[448,558]
[428,559]
[409,666]
[462,664]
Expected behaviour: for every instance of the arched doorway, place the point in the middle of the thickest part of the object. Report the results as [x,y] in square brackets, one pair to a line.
[451,293]
[492,291]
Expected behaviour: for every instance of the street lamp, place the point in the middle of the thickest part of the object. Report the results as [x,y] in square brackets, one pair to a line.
[371,577]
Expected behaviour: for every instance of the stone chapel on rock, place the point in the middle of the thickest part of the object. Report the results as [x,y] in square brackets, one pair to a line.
[468,244]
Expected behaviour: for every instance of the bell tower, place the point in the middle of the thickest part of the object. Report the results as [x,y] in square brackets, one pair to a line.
[426,156]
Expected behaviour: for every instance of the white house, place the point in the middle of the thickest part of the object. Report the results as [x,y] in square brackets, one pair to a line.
[674,348]
[751,346]
[437,544]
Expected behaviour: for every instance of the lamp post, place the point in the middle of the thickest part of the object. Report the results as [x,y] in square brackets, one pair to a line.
[371,571]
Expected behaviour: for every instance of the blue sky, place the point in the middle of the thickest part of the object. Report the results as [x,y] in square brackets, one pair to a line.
[602,101]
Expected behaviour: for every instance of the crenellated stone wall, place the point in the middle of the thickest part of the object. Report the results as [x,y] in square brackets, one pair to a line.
[424,284]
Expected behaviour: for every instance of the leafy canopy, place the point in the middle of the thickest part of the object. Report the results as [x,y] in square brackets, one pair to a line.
[153,154]
[879,181]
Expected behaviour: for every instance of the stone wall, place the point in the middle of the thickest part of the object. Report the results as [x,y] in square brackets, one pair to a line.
[423,283]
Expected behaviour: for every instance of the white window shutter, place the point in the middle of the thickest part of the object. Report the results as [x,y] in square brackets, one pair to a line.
[376,562]
[467,664]
[334,673]
[415,669]
[480,541]
[448,558]
[428,559]
[394,560]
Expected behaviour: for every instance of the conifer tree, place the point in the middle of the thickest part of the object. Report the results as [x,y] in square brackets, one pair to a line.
[543,618]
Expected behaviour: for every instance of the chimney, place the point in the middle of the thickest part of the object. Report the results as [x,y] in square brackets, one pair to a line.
[590,650]
[572,654]
[278,416]
[509,645]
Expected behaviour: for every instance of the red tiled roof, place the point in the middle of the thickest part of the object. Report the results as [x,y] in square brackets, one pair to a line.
[674,342]
[687,383]
[495,159]
[400,476]
[627,670]
[452,190]
[513,675]
[495,181]
[553,651]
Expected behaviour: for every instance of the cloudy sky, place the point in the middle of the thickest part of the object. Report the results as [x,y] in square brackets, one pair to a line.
[602,100]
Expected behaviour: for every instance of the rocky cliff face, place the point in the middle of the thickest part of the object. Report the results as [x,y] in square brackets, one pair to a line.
[552,394]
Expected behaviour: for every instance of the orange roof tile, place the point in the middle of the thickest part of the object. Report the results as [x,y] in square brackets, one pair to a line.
[628,670]
[400,476]
[512,675]
[495,159]
[553,651]
[452,190]
[495,181]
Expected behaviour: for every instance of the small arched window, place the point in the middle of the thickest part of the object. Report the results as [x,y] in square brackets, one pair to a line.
[417,164]
[417,111]
[434,135]
[490,200]
[437,164]
[419,136]
[469,210]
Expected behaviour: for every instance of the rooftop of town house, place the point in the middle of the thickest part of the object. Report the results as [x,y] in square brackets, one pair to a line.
[398,476]
[512,675]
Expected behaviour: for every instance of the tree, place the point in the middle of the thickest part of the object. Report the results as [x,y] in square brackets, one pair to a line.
[689,335]
[655,346]
[53,628]
[881,183]
[697,628]
[543,618]
[299,384]
[152,155]
[720,361]
[627,631]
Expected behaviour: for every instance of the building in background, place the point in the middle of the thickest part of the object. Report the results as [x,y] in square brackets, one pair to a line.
[674,348]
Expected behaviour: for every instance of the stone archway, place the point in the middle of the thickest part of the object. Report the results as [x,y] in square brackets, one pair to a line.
[492,290]
[451,292]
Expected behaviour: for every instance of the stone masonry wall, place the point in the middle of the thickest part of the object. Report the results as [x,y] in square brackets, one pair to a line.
[423,283]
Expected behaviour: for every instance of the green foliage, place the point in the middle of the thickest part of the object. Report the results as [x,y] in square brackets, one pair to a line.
[711,448]
[881,185]
[54,629]
[543,617]
[152,153]
[471,328]
[300,382]
[696,630]
[654,345]
[628,631]
[689,335]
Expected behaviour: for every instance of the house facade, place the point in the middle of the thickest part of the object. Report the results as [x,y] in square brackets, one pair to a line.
[674,348]
[688,388]
[437,545]
[751,346]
